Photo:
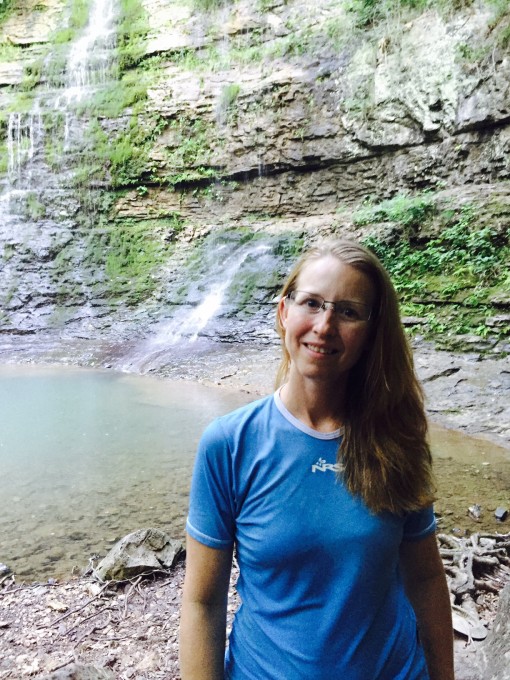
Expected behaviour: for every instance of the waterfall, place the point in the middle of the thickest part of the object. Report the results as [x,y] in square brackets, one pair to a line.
[24,137]
[37,201]
[89,64]
[90,59]
[185,327]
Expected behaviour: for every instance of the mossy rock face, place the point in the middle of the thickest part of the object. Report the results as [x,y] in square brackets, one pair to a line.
[264,115]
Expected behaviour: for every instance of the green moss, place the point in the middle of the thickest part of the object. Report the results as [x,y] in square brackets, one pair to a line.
[368,12]
[208,5]
[112,101]
[6,7]
[129,253]
[131,34]
[407,211]
[188,157]
[10,52]
[78,17]
[228,96]
[121,159]
[32,208]
[32,75]
[22,102]
[4,161]
[461,268]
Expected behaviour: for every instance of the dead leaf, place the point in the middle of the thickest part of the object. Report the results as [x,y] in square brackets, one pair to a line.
[57,606]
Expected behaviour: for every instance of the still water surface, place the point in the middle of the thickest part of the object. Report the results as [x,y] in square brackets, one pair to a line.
[88,456]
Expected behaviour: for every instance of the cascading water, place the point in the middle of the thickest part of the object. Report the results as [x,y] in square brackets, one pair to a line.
[38,203]
[66,290]
[89,64]
[221,268]
[91,57]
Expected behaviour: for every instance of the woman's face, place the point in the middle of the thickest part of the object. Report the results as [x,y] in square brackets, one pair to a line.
[322,346]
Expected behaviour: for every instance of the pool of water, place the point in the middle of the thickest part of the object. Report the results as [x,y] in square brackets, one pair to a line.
[87,456]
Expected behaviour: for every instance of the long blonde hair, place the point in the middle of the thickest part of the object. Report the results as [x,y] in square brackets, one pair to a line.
[385,455]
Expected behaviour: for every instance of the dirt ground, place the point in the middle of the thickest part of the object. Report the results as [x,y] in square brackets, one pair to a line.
[131,629]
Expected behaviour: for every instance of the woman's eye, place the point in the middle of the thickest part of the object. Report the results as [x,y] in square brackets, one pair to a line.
[312,303]
[348,313]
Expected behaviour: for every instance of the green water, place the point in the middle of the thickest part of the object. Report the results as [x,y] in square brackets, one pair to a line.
[88,456]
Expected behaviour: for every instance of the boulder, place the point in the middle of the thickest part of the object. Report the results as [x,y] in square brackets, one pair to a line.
[145,550]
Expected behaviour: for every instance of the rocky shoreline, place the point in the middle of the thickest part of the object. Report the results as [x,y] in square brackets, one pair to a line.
[469,392]
[466,392]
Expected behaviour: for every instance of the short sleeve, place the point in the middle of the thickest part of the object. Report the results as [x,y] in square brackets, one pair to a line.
[419,524]
[211,515]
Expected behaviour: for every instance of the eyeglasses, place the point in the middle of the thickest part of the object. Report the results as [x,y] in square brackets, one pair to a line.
[344,310]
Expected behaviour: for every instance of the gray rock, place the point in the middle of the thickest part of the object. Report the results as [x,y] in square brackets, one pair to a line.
[77,671]
[145,550]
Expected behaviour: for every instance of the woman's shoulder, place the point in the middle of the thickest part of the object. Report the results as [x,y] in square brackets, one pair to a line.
[259,407]
[249,415]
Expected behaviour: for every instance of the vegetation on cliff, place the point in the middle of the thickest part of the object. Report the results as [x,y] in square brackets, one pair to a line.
[230,115]
[453,282]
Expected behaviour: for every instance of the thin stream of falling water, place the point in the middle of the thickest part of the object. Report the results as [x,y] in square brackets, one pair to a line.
[90,58]
[89,63]
[43,144]
[193,323]
[186,326]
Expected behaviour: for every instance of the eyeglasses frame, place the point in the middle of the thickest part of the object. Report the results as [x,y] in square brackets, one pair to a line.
[333,305]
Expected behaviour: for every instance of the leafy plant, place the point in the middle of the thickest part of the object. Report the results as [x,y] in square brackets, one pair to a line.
[187,158]
[463,264]
[405,210]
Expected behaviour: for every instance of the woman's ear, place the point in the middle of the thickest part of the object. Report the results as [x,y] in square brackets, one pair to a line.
[282,313]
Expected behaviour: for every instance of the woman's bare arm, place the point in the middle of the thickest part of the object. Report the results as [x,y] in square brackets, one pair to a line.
[204,611]
[426,588]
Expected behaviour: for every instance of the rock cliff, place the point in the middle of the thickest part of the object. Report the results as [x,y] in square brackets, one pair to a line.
[261,118]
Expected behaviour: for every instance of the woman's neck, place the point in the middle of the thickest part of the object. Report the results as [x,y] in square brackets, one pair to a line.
[318,405]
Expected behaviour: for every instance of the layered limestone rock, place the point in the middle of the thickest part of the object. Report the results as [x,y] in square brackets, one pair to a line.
[305,134]
[26,29]
[325,114]
[270,116]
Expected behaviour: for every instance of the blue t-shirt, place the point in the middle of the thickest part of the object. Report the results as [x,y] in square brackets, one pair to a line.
[321,593]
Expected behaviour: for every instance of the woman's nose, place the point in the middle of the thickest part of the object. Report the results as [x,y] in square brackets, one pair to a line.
[325,322]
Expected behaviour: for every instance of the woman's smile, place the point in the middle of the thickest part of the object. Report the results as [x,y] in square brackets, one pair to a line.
[318,349]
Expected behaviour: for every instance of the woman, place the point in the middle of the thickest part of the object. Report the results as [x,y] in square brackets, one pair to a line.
[325,491]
